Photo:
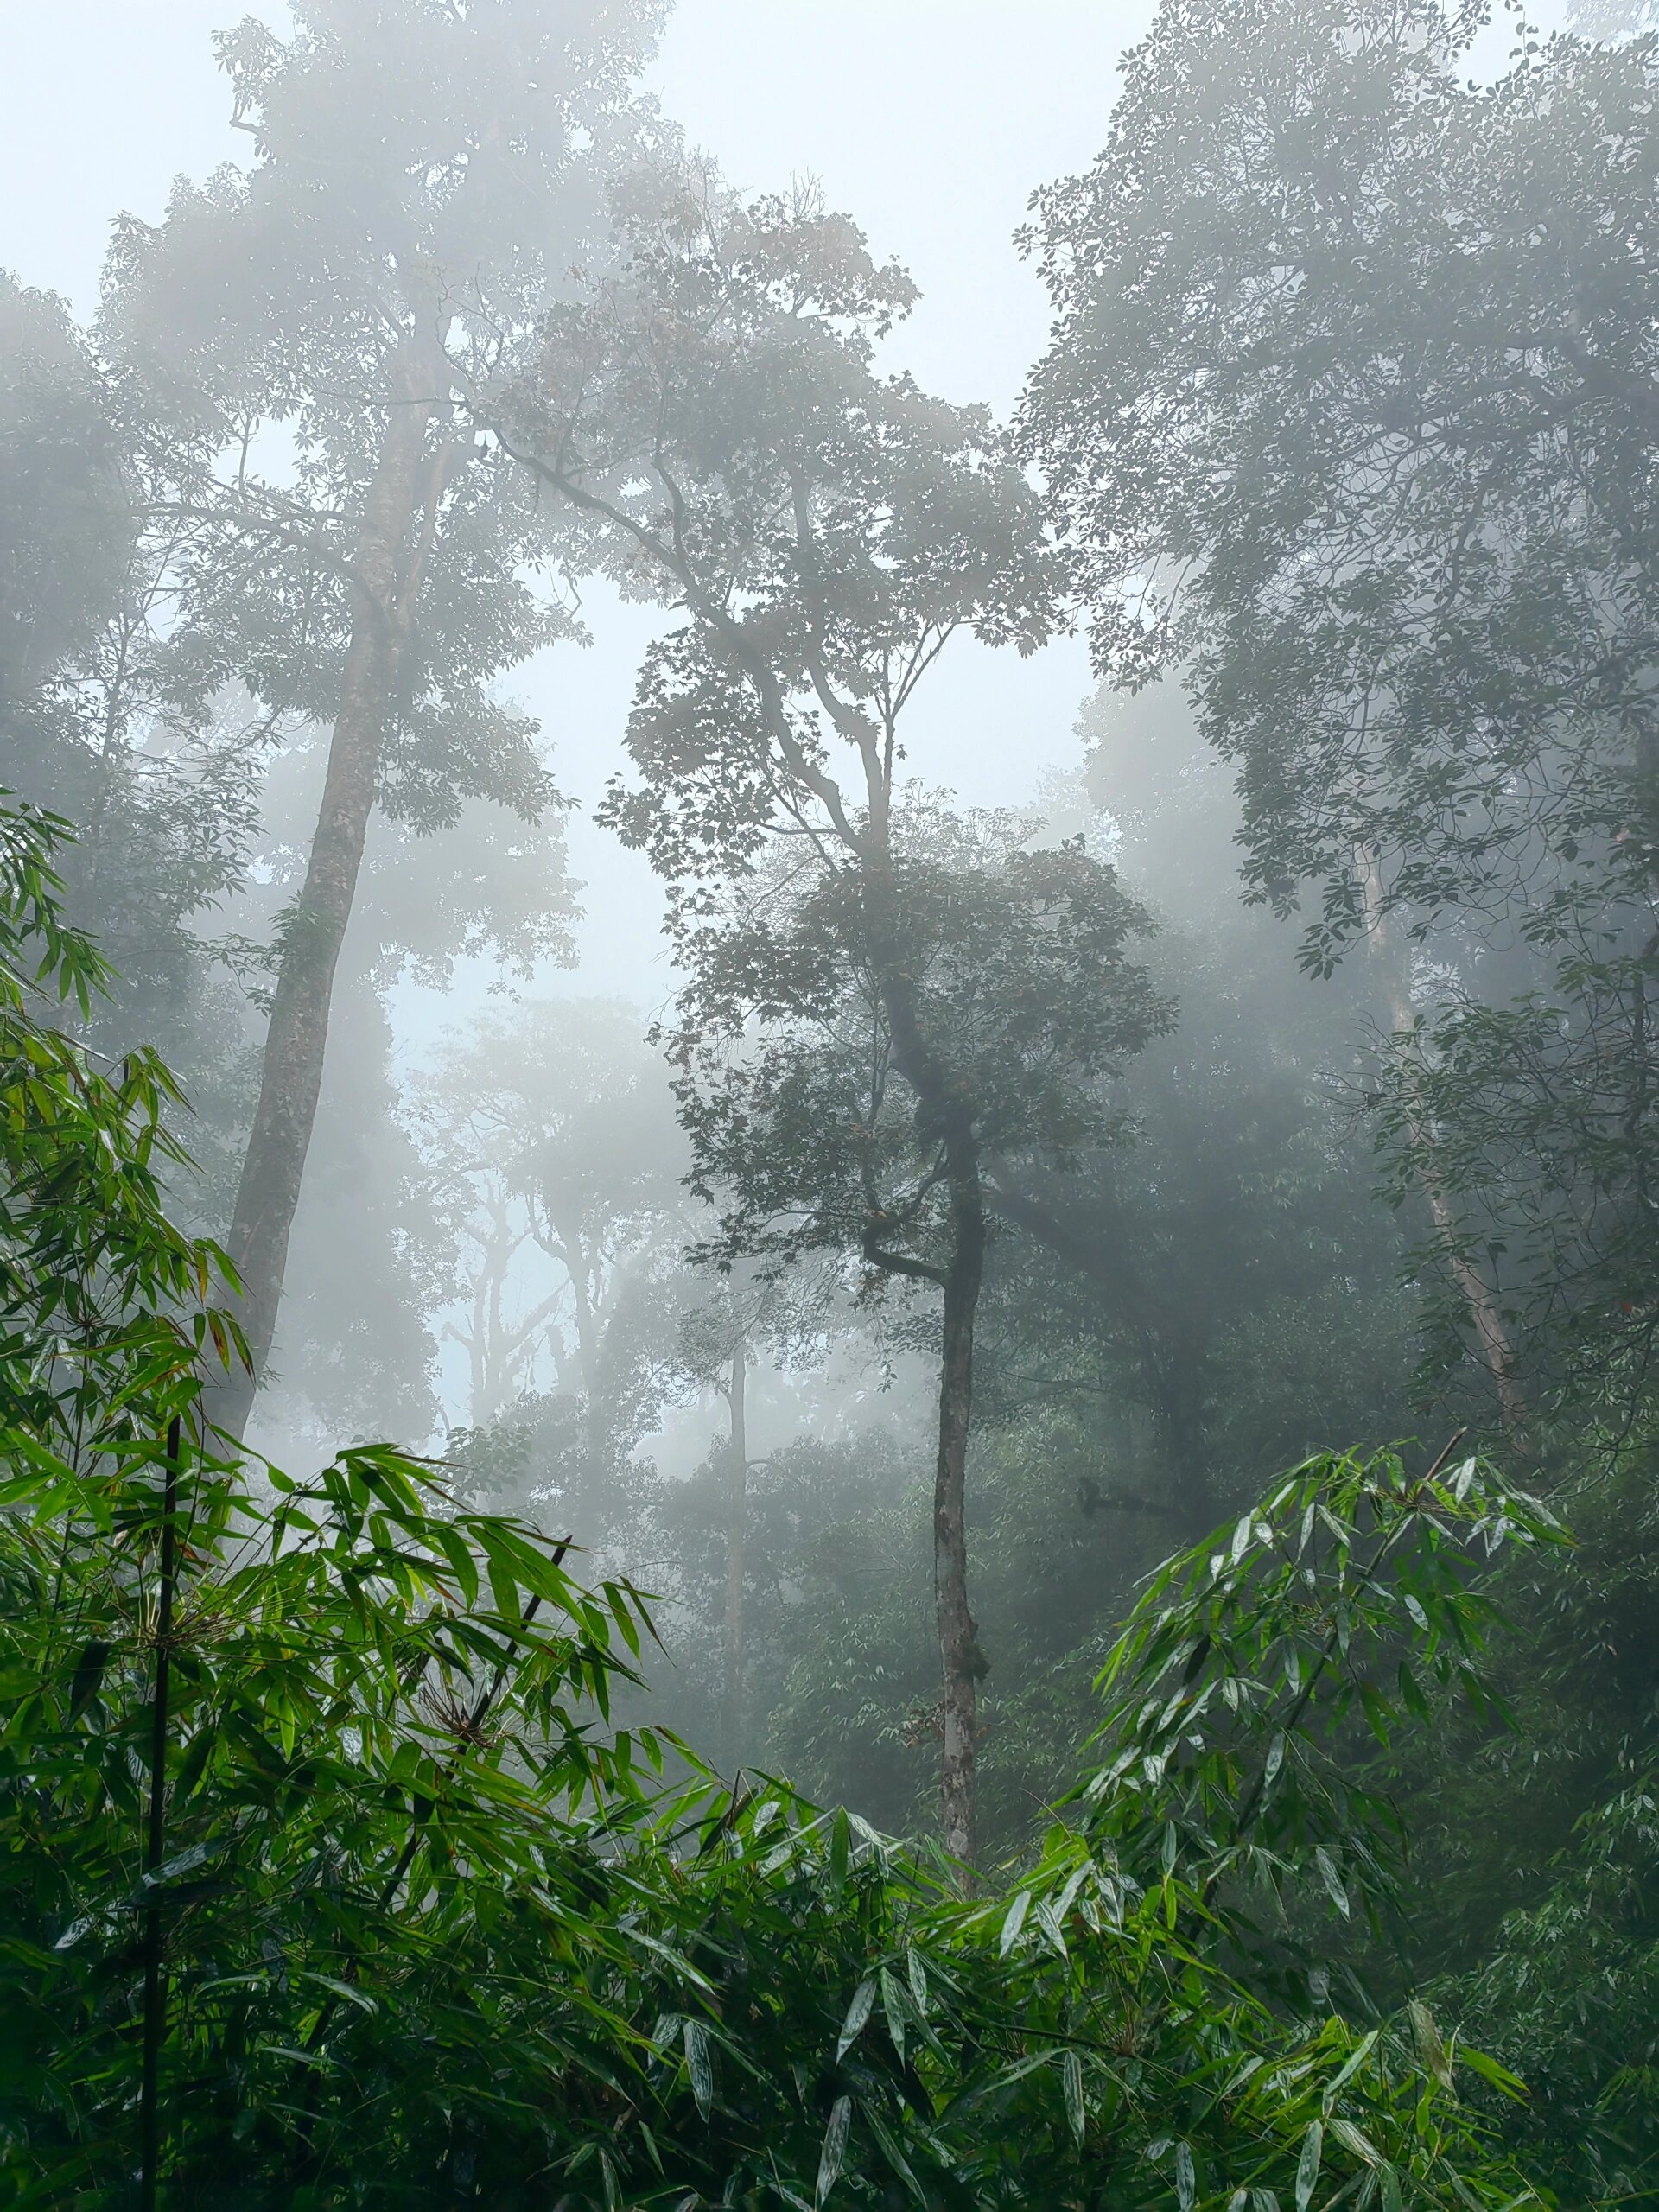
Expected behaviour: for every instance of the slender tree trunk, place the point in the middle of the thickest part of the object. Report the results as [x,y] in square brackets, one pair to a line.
[590,1310]
[1497,1353]
[736,1533]
[385,577]
[944,1102]
[964,1664]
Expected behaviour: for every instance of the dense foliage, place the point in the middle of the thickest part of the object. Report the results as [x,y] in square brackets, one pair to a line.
[306,1787]
[1349,407]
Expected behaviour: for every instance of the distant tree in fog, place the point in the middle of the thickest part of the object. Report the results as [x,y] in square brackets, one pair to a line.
[359,557]
[1352,412]
[112,715]
[552,1153]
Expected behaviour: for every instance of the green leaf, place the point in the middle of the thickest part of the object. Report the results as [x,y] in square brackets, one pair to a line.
[700,2065]
[1354,2139]
[1047,1921]
[1355,2058]
[1332,1879]
[193,1765]
[892,2006]
[172,1870]
[1274,1760]
[835,2146]
[1490,2070]
[88,1675]
[348,1991]
[1013,1922]
[918,1977]
[894,2156]
[857,2013]
[1072,2081]
[840,1848]
[1307,2167]
[1431,2048]
[1376,1712]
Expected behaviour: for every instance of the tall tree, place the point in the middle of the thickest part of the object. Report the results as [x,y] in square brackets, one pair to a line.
[1350,410]
[356,1349]
[919,992]
[422,176]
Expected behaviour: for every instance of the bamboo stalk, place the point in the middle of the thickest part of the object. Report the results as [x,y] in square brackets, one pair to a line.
[150,2123]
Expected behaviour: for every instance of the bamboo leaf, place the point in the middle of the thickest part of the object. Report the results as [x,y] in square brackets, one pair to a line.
[857,2013]
[835,2146]
[1307,2167]
[1071,2076]
[893,2005]
[1431,2048]
[1013,1922]
[1186,2178]
[1332,1879]
[700,2066]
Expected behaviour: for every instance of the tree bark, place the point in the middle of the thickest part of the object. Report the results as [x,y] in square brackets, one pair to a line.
[736,1533]
[385,577]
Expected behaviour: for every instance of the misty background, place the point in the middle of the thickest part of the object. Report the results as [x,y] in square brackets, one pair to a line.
[932,125]
[879,103]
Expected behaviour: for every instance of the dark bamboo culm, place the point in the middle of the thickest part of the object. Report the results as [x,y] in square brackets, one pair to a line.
[155,1841]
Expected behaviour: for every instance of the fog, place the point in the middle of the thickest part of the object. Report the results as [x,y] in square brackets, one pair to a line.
[878,103]
[418,1235]
[884,779]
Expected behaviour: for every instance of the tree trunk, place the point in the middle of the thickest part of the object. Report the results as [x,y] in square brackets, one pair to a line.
[386,575]
[944,1103]
[959,1650]
[737,1513]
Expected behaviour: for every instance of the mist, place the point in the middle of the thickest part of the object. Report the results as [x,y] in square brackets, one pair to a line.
[829,918]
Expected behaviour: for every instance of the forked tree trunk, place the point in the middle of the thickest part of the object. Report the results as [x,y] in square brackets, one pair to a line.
[387,564]
[959,1650]
[736,1551]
